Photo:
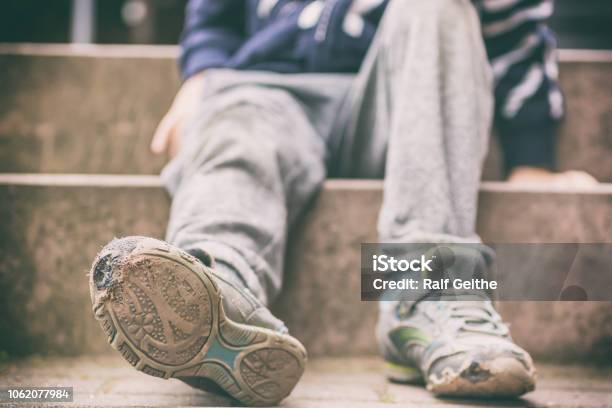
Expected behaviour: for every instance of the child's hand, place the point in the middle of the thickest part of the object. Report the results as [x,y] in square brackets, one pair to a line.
[167,135]
[536,175]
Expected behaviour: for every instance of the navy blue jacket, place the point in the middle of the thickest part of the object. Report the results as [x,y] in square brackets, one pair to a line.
[292,36]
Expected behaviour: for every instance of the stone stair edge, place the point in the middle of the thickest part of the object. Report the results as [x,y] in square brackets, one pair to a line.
[172,51]
[90,50]
[138,180]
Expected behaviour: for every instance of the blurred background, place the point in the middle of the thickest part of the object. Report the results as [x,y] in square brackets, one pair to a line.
[76,171]
[583,24]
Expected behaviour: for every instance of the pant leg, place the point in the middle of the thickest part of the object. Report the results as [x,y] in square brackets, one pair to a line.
[419,113]
[248,164]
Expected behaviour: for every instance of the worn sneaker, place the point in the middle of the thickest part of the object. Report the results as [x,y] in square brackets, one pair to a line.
[164,311]
[458,348]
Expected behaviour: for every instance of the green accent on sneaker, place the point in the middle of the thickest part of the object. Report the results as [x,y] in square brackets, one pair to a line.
[404,335]
[402,373]
[402,368]
[461,347]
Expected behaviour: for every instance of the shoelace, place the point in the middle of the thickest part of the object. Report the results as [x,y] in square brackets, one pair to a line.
[477,317]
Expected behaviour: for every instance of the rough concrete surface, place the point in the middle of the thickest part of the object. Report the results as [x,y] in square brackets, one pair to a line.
[48,244]
[344,382]
[53,230]
[66,111]
[82,114]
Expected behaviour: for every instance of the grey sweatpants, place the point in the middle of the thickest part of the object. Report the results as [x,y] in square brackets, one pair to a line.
[417,113]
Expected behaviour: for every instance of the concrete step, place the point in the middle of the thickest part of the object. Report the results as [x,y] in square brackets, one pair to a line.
[55,224]
[329,382]
[83,110]
[93,109]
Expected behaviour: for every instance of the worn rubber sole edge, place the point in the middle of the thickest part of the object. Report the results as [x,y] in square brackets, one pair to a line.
[509,378]
[199,366]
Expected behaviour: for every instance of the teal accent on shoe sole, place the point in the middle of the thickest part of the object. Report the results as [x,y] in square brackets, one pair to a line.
[219,352]
[156,279]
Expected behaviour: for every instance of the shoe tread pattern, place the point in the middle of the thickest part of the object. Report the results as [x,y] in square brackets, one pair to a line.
[164,314]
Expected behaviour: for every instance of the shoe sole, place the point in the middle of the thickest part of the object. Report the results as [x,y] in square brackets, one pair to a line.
[163,312]
[500,377]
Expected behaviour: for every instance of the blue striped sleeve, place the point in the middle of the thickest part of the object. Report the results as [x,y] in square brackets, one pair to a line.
[528,102]
[214,30]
